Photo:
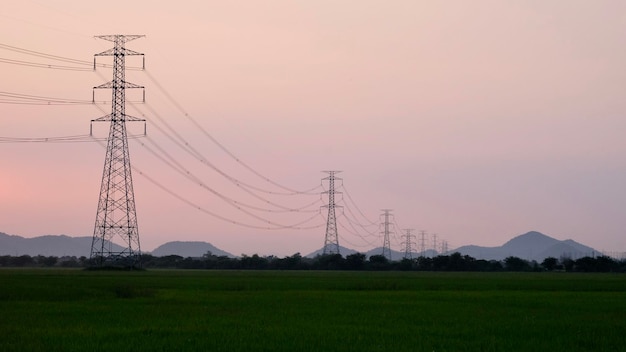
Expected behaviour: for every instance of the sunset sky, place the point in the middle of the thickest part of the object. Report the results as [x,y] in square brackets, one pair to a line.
[475,120]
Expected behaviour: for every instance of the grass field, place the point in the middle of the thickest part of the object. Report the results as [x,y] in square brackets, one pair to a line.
[74,310]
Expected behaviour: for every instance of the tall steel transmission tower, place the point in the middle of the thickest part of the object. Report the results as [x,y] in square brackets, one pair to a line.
[116,218]
[386,244]
[408,243]
[331,242]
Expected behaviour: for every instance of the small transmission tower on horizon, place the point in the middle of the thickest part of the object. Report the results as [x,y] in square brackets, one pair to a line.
[331,241]
[422,243]
[386,243]
[116,218]
[408,243]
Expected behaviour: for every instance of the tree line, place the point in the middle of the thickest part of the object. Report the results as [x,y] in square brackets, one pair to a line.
[356,261]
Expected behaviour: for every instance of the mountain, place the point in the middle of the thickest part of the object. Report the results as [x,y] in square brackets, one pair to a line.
[530,246]
[81,246]
[58,246]
[342,250]
[188,249]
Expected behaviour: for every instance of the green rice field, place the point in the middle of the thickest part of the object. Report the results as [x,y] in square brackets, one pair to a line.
[168,310]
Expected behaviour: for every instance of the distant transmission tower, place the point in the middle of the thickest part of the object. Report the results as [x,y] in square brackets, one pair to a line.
[116,218]
[331,242]
[386,244]
[408,244]
[423,243]
[444,247]
[435,244]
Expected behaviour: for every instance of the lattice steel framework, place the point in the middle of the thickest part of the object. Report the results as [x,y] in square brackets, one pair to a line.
[386,243]
[408,243]
[331,241]
[422,243]
[116,218]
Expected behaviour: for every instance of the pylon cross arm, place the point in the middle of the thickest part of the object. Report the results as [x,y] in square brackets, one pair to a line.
[110,85]
[123,37]
[123,51]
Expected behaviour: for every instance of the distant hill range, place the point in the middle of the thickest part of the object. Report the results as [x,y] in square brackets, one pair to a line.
[188,249]
[62,245]
[530,246]
[57,246]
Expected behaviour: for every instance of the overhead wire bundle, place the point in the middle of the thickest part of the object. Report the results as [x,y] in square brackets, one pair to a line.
[264,201]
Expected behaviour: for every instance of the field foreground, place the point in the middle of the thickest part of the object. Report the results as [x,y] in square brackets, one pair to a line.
[74,310]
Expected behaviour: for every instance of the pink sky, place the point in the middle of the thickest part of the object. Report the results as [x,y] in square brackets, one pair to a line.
[478,121]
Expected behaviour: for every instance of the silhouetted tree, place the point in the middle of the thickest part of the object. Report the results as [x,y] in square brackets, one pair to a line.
[550,263]
[424,263]
[294,262]
[606,264]
[599,264]
[223,262]
[487,265]
[253,262]
[68,262]
[168,261]
[355,261]
[516,264]
[378,262]
[568,263]
[406,264]
[329,262]
[440,263]
[23,260]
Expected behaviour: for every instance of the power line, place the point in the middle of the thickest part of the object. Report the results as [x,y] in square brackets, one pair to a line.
[354,222]
[186,146]
[161,186]
[44,55]
[354,231]
[176,166]
[42,65]
[350,243]
[38,100]
[15,98]
[220,145]
[220,217]
[59,139]
[56,58]
[370,223]
[29,99]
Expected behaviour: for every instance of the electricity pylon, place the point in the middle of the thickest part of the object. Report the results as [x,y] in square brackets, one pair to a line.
[444,247]
[408,243]
[331,241]
[422,243]
[386,243]
[116,218]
